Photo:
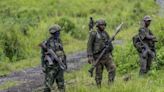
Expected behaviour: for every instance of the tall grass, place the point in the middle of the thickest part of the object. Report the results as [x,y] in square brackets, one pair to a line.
[83,83]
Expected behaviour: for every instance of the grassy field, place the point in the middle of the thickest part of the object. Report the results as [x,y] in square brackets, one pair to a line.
[24,24]
[153,82]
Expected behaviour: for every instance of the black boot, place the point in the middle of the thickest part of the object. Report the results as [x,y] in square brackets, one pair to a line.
[98,83]
[61,90]
[111,77]
[47,90]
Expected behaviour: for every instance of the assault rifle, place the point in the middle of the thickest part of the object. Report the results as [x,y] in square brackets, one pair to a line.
[50,58]
[147,50]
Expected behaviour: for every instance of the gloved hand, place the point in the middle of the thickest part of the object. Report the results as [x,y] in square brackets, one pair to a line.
[90,59]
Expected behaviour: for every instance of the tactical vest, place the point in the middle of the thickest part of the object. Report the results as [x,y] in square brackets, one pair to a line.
[149,42]
[56,46]
[99,41]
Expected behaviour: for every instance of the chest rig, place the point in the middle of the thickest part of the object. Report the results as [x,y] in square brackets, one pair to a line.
[149,42]
[56,46]
[99,42]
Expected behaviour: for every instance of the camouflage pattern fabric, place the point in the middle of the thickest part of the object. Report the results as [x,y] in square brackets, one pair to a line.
[96,43]
[53,72]
[146,58]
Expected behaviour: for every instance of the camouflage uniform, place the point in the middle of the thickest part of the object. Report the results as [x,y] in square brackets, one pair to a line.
[97,41]
[53,72]
[146,36]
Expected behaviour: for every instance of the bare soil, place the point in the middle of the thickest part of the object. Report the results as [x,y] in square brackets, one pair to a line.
[31,79]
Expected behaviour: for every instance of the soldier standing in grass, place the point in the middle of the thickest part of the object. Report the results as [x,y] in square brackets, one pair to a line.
[145,45]
[96,43]
[51,68]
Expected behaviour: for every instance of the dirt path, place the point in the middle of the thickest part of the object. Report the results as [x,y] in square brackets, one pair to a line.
[32,78]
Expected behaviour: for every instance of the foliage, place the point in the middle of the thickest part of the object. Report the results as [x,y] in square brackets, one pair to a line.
[84,83]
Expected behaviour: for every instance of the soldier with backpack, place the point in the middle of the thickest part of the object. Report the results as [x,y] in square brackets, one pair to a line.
[96,43]
[144,42]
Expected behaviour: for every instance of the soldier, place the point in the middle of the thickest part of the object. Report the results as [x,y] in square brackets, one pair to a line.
[51,68]
[96,43]
[145,45]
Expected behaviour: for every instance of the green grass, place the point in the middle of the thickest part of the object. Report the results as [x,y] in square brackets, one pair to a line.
[8,67]
[79,81]
[8,84]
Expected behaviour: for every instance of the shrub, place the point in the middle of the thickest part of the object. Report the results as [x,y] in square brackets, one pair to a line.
[125,58]
[12,43]
[67,25]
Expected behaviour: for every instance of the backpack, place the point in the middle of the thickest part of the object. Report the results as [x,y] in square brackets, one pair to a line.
[136,43]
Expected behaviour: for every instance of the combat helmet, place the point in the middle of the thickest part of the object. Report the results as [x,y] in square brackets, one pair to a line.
[100,22]
[147,18]
[54,28]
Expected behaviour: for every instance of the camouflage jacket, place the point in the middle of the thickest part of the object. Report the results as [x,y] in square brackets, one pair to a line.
[97,41]
[147,37]
[56,46]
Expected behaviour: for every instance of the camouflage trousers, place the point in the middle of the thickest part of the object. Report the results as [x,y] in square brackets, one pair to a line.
[52,74]
[145,63]
[107,62]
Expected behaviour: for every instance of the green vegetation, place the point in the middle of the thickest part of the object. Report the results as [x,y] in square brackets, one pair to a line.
[83,83]
[8,84]
[8,67]
[24,24]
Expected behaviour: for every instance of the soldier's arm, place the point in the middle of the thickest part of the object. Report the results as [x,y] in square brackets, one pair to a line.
[110,43]
[90,43]
[62,48]
[43,51]
[65,57]
[144,34]
[154,38]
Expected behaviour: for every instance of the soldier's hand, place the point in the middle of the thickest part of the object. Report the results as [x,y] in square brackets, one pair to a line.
[43,70]
[90,59]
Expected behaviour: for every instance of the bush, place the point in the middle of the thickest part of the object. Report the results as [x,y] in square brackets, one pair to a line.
[159,60]
[67,25]
[79,34]
[126,58]
[12,43]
